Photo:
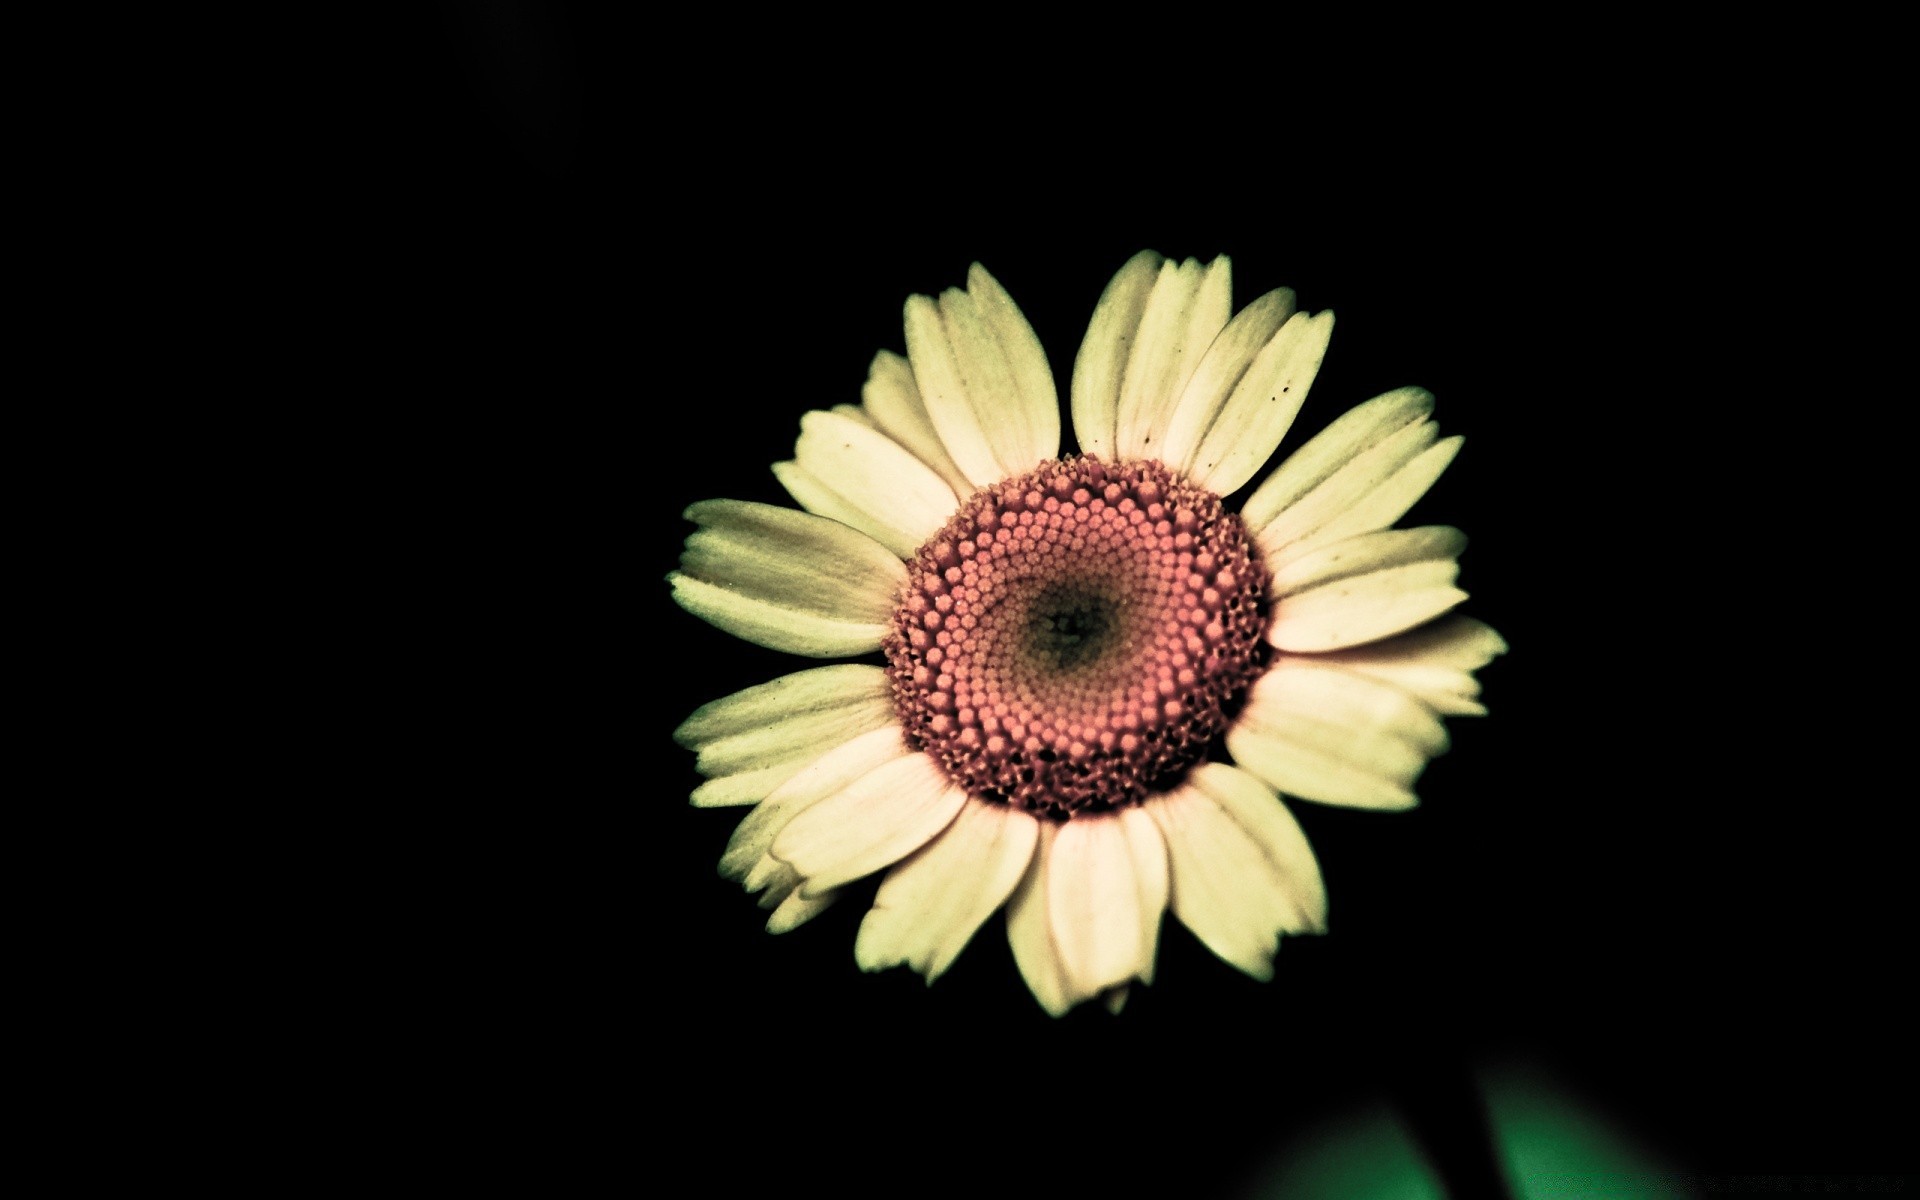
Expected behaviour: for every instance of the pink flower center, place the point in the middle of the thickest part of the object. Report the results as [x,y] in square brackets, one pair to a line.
[1072,640]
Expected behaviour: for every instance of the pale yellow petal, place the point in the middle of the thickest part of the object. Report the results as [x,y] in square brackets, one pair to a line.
[1101,366]
[785,579]
[1435,663]
[1221,371]
[1034,404]
[932,902]
[1096,905]
[1364,608]
[1257,415]
[1187,309]
[891,400]
[1223,887]
[791,720]
[830,773]
[901,500]
[1030,932]
[1325,734]
[1261,813]
[973,359]
[1365,554]
[872,823]
[1351,436]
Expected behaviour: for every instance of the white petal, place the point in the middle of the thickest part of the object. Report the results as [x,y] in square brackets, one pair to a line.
[805,693]
[1220,372]
[781,884]
[1259,811]
[1324,734]
[1434,663]
[1364,608]
[1379,506]
[874,822]
[1223,887]
[1308,522]
[1096,905]
[1365,554]
[746,787]
[933,901]
[812,493]
[891,399]
[1187,309]
[853,412]
[1262,407]
[1030,932]
[1101,365]
[797,909]
[977,387]
[1355,432]
[824,776]
[1308,687]
[900,501]
[765,624]
[754,740]
[1037,407]
[774,879]
[1148,850]
[785,579]
[1307,759]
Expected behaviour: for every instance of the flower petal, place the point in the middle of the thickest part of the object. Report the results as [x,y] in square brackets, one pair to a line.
[933,901]
[874,822]
[1186,310]
[972,354]
[1030,932]
[786,722]
[797,908]
[1220,372]
[1224,888]
[891,399]
[1386,470]
[787,580]
[1035,402]
[745,787]
[813,493]
[1149,853]
[1357,609]
[1355,432]
[853,412]
[1260,812]
[1385,503]
[1365,554]
[1325,734]
[1434,663]
[826,775]
[1097,905]
[782,894]
[1101,364]
[1256,416]
[893,497]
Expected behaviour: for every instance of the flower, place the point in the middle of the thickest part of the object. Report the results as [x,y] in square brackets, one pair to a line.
[1065,638]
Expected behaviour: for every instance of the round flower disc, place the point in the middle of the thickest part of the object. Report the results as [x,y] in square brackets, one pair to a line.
[1072,639]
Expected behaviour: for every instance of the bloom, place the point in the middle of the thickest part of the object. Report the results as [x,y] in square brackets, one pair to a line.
[1064,639]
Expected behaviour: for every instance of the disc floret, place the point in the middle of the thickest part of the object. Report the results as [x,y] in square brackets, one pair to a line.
[1074,638]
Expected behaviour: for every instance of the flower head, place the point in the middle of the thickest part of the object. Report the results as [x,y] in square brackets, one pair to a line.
[1064,640]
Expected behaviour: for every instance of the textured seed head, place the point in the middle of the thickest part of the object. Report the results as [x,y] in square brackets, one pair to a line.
[1073,639]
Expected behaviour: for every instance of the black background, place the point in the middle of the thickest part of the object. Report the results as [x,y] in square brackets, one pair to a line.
[623,267]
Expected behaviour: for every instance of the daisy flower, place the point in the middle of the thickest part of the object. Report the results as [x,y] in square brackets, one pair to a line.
[1065,640]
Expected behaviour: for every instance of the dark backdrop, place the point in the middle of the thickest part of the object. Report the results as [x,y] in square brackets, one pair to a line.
[618,266]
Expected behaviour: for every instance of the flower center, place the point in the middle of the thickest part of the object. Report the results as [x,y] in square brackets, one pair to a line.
[1071,640]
